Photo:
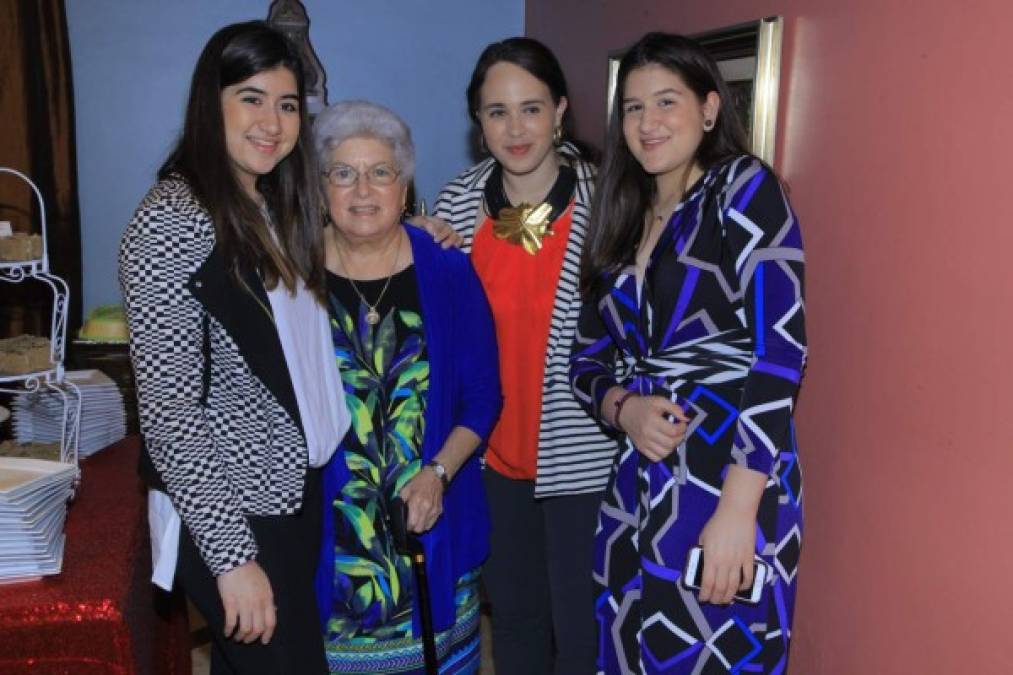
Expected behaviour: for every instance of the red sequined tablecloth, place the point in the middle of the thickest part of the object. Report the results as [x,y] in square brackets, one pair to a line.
[101,615]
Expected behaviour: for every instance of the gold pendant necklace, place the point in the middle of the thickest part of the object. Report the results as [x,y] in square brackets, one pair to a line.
[372,314]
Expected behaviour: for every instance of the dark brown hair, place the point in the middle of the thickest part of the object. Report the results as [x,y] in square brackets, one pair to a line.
[539,61]
[625,191]
[233,54]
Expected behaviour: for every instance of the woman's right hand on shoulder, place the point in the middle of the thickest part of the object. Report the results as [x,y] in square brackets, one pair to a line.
[655,424]
[441,232]
[248,600]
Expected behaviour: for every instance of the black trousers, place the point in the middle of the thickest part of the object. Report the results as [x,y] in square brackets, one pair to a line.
[288,546]
[538,579]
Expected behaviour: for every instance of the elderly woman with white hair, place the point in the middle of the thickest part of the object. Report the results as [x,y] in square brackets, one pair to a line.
[416,348]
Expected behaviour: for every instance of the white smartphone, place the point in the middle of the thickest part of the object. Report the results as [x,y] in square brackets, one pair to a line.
[693,576]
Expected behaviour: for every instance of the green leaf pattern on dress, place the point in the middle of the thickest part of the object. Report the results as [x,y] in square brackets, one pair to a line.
[386,379]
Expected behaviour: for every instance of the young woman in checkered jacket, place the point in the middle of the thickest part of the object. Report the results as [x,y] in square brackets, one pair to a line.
[239,395]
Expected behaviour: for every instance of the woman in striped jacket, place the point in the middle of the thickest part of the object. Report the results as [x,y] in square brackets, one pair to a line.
[522,214]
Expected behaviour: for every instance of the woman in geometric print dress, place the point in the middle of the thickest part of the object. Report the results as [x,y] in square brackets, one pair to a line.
[691,343]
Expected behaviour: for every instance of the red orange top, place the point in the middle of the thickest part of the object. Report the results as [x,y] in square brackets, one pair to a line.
[521,289]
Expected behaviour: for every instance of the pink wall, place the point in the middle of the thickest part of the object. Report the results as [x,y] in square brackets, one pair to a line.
[895,136]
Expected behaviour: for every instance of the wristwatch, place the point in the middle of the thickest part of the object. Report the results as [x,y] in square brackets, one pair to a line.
[441,473]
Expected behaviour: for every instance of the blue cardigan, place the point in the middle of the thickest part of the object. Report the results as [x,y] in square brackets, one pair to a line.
[464,390]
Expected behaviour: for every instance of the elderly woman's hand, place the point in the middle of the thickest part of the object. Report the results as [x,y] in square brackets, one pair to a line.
[424,496]
[442,233]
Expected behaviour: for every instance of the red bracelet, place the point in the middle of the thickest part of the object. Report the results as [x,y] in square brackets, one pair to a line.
[620,402]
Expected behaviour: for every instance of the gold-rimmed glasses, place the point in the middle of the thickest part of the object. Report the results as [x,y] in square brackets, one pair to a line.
[342,175]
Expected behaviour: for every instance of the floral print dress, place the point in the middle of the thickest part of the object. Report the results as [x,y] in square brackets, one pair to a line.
[384,368]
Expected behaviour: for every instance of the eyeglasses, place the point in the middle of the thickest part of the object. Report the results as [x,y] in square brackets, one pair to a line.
[342,175]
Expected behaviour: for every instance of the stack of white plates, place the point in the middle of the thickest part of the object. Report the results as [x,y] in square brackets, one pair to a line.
[33,508]
[39,416]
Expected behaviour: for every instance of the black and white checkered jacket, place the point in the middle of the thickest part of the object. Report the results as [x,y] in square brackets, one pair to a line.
[574,454]
[223,432]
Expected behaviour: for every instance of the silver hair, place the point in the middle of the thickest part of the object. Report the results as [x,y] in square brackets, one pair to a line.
[358,119]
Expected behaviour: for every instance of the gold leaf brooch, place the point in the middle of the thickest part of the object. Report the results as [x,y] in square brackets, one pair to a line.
[524,225]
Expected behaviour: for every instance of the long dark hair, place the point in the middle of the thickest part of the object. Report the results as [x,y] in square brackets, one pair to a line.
[233,54]
[625,191]
[541,63]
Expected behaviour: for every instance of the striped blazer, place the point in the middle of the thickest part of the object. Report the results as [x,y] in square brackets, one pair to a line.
[574,452]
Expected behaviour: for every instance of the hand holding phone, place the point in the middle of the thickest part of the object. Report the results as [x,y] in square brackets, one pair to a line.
[692,577]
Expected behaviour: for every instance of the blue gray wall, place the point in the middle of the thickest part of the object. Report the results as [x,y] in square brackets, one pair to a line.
[132,61]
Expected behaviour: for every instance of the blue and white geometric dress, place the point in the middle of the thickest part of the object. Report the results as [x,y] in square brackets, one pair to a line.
[718,326]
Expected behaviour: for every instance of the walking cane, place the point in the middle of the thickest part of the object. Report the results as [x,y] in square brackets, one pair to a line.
[408,544]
